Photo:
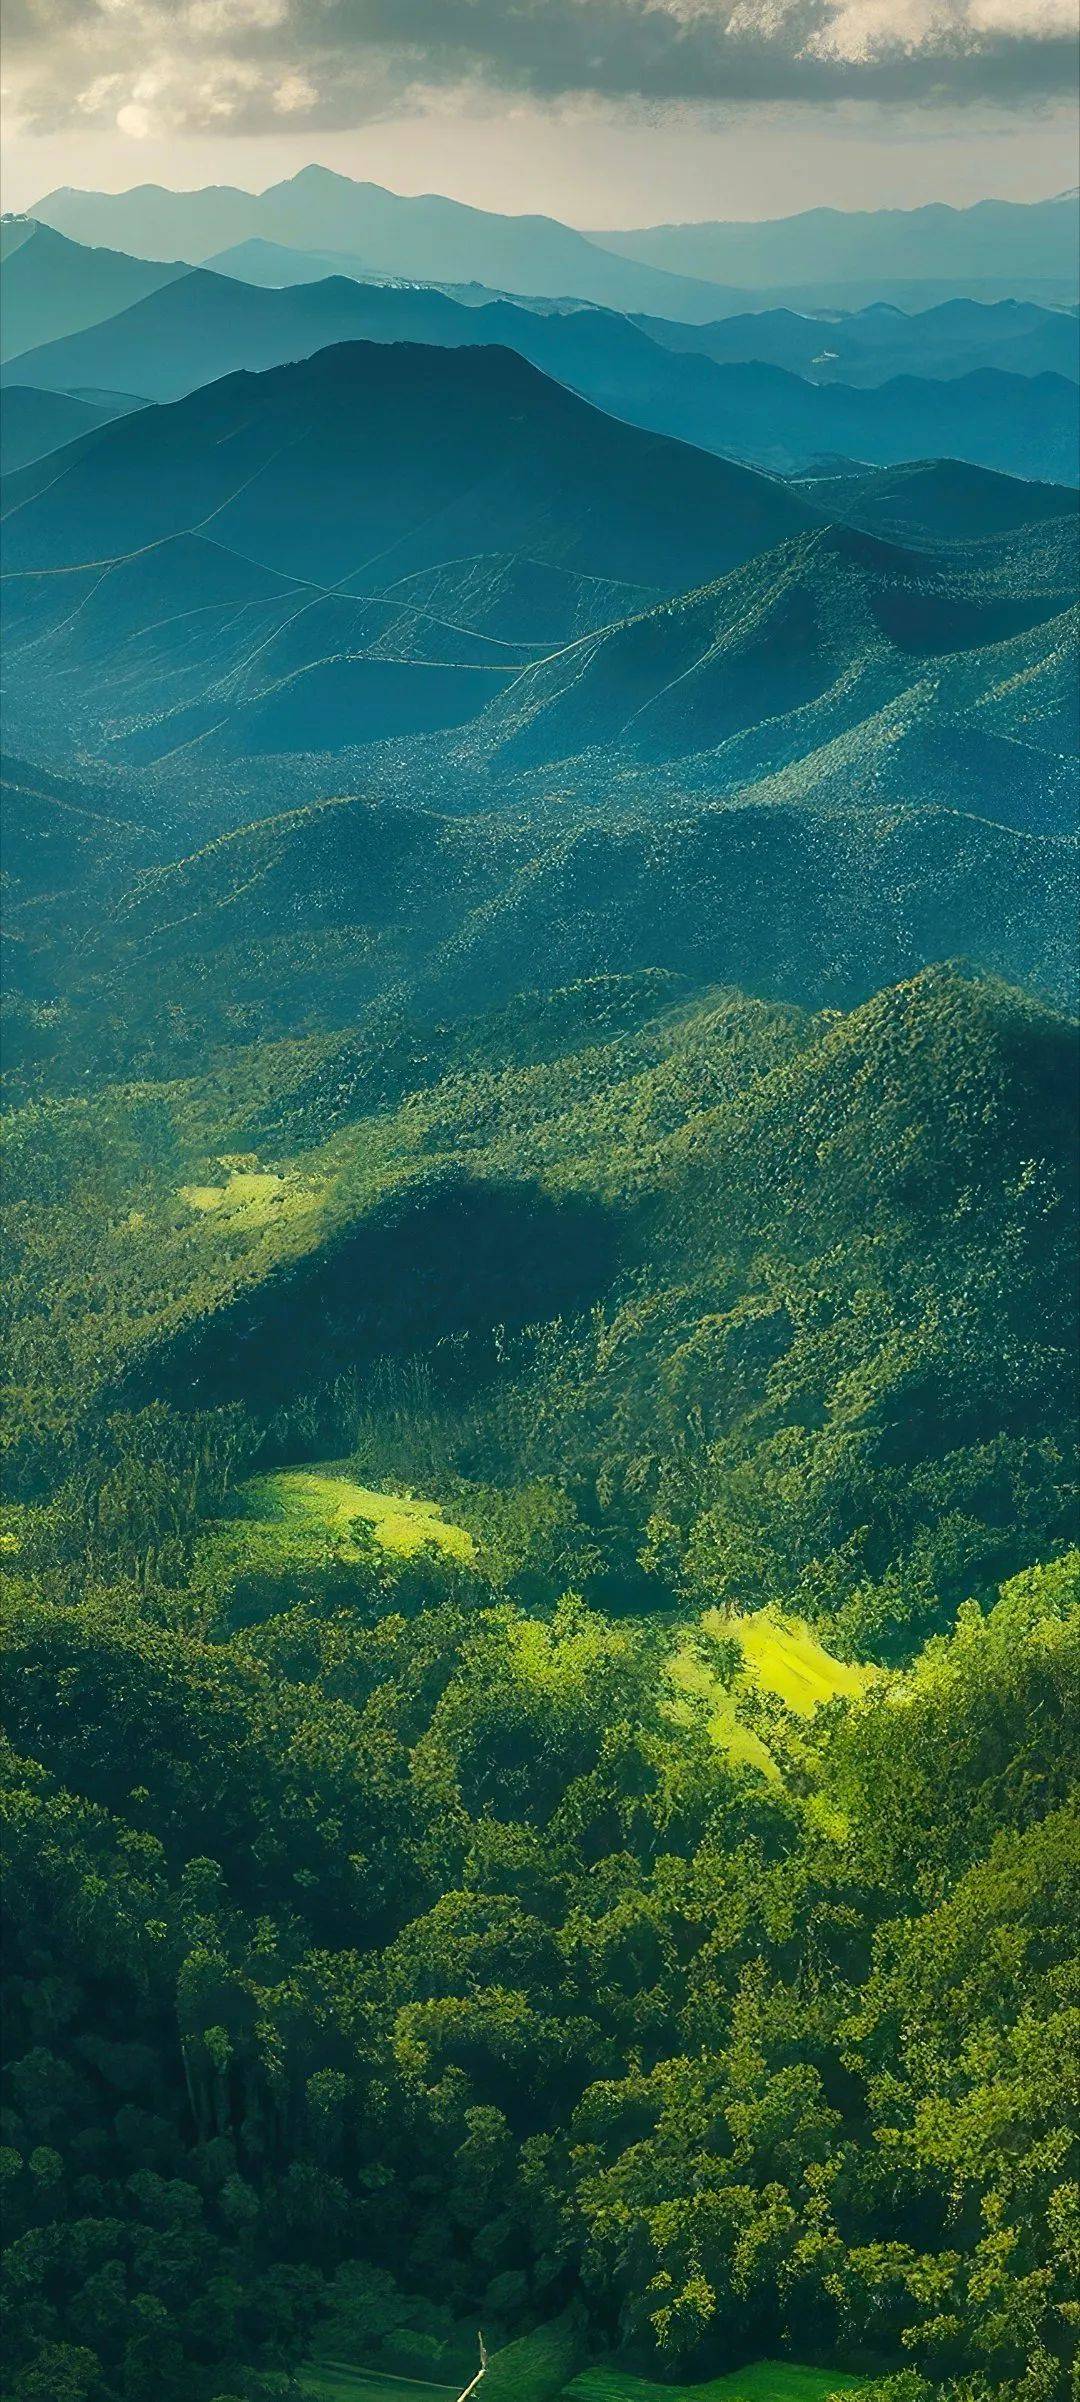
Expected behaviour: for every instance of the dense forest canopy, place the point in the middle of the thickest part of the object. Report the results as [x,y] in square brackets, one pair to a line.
[405,1933]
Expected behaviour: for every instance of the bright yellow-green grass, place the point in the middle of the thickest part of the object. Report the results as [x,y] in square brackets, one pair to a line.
[784,1658]
[764,2381]
[780,1656]
[693,1677]
[330,1500]
[252,1196]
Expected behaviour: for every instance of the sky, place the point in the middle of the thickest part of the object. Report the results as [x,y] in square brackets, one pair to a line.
[603,112]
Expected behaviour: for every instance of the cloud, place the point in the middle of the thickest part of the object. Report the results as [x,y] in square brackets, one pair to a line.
[153,66]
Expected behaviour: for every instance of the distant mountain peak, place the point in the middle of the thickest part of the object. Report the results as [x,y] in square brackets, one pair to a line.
[313,178]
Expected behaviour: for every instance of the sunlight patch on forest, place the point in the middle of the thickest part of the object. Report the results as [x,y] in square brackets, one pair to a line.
[781,1657]
[325,1498]
[253,1195]
[694,1680]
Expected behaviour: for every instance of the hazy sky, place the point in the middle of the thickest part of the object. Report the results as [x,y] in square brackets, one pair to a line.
[602,111]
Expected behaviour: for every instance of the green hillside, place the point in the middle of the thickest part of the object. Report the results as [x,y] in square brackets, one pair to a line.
[835,614]
[765,2381]
[319,1498]
[612,589]
[521,600]
[372,932]
[874,1167]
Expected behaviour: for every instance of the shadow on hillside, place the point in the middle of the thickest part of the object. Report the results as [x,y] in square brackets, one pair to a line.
[457,1258]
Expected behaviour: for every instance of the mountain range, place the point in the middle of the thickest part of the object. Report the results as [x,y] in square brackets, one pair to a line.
[51,287]
[839,344]
[605,691]
[997,248]
[432,239]
[278,506]
[870,345]
[993,238]
[196,328]
[437,575]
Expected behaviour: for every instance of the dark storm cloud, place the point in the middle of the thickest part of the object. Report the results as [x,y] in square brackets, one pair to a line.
[248,65]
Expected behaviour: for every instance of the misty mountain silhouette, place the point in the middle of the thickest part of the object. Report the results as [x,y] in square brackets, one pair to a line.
[50,287]
[192,331]
[871,345]
[429,238]
[991,239]
[373,461]
[691,272]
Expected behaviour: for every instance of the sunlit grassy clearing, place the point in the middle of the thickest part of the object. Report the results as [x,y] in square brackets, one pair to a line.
[694,1679]
[252,1196]
[780,1656]
[321,1498]
[783,1656]
[763,2381]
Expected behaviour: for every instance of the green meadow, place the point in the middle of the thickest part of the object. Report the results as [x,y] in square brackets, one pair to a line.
[334,2384]
[762,2381]
[780,1657]
[327,1500]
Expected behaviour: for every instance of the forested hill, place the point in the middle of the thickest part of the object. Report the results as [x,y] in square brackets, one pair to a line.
[447,561]
[525,1866]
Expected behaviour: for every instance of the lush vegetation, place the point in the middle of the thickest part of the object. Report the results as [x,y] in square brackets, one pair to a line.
[403,1942]
[439,1893]
[766,2381]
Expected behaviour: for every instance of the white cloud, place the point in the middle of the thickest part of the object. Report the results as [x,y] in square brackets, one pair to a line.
[295,95]
[861,30]
[1043,20]
[225,18]
[139,123]
[248,64]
